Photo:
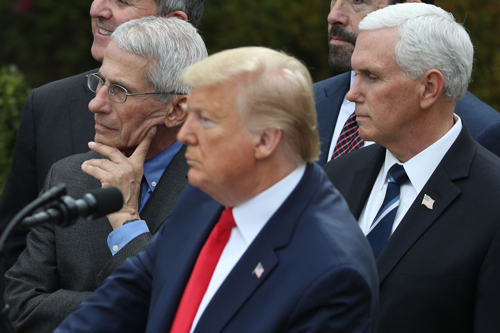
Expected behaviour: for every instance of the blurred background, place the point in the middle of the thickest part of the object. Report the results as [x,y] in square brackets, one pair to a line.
[46,40]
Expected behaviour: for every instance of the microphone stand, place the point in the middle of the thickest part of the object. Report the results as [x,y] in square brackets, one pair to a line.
[52,194]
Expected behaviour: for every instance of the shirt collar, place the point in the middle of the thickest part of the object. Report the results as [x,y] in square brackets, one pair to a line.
[420,167]
[252,215]
[156,165]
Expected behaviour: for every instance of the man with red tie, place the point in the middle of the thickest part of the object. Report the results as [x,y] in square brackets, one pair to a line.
[260,241]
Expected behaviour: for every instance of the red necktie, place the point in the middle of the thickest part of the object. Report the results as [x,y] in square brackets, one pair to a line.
[349,138]
[202,273]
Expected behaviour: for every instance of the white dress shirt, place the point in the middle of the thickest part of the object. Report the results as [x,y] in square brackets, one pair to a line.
[250,217]
[419,169]
[345,112]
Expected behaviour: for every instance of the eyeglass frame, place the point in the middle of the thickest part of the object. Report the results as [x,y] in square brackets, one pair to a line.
[92,75]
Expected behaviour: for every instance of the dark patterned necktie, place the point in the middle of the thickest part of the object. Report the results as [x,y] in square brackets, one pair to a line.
[349,138]
[382,224]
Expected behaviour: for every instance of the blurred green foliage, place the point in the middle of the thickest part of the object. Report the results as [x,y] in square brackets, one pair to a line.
[52,39]
[13,90]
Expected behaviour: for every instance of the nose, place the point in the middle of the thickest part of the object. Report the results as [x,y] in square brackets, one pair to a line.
[101,102]
[354,94]
[100,8]
[338,15]
[186,134]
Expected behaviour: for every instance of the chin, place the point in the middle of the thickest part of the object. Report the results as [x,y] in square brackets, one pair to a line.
[97,52]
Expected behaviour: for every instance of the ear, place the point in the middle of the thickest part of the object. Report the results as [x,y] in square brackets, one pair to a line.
[179,14]
[267,142]
[176,113]
[432,88]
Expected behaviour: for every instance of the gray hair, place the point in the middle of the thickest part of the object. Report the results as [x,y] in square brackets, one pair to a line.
[169,44]
[275,91]
[430,38]
[193,8]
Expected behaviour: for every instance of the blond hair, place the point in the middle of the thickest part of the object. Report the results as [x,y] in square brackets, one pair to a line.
[275,91]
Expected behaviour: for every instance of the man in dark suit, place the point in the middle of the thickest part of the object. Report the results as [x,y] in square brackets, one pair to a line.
[285,255]
[334,109]
[56,122]
[425,195]
[137,88]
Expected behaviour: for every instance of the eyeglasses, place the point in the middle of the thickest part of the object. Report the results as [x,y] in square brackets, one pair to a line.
[116,92]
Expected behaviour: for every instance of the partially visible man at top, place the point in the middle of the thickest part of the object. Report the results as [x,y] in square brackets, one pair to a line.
[261,241]
[426,193]
[336,119]
[55,121]
[138,88]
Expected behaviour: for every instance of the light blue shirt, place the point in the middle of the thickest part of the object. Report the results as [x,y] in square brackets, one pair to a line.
[153,170]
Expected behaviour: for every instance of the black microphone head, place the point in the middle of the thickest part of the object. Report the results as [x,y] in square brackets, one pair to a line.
[107,200]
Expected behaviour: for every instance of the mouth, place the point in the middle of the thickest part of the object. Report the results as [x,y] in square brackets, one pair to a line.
[100,127]
[338,41]
[340,36]
[104,32]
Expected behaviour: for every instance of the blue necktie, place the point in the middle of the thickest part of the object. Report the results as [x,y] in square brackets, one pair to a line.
[381,227]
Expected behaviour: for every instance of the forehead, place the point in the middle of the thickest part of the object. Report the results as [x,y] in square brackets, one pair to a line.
[123,65]
[215,99]
[374,49]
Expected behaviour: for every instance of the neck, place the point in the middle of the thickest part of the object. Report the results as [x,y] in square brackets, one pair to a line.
[163,139]
[435,124]
[265,174]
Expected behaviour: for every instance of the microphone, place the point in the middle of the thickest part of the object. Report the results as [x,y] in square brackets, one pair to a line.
[66,210]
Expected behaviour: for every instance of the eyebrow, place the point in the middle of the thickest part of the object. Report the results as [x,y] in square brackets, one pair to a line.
[99,73]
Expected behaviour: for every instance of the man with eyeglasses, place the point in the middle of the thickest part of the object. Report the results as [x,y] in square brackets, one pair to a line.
[55,121]
[138,112]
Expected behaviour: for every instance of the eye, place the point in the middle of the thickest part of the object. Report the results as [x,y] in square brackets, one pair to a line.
[205,121]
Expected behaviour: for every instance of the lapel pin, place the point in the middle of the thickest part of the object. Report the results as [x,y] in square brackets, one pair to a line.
[428,202]
[259,270]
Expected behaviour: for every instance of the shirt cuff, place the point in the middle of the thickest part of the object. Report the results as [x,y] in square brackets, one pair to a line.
[120,237]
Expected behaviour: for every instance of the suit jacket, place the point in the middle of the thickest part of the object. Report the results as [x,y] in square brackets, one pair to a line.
[62,266]
[55,123]
[482,120]
[319,273]
[440,269]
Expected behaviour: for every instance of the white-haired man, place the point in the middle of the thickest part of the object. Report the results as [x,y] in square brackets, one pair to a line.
[56,122]
[285,254]
[337,124]
[138,91]
[425,194]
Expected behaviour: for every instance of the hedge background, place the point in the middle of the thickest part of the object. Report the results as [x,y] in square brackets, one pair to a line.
[50,39]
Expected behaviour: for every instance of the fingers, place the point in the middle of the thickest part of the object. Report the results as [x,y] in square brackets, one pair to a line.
[110,152]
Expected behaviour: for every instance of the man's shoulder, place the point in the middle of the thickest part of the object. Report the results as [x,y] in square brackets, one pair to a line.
[75,84]
[325,88]
[75,160]
[351,161]
[476,114]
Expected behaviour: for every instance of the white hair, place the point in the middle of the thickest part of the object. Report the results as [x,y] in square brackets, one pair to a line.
[169,43]
[430,38]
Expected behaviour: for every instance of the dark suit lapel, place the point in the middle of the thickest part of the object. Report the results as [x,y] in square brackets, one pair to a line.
[275,235]
[328,111]
[440,187]
[169,188]
[363,181]
[179,253]
[81,119]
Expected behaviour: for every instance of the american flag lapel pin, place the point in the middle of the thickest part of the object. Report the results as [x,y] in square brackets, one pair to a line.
[428,202]
[259,270]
